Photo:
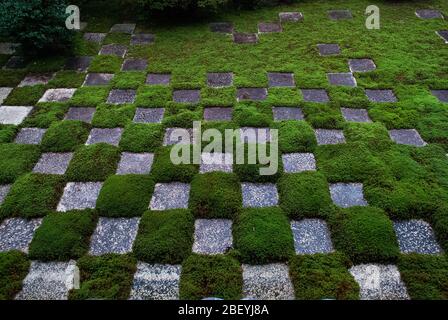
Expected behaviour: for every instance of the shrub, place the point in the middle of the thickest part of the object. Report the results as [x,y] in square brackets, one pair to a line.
[13,269]
[296,136]
[163,170]
[165,237]
[16,159]
[65,136]
[141,137]
[210,276]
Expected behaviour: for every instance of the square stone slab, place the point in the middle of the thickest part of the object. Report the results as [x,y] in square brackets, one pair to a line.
[342,79]
[315,95]
[98,79]
[162,79]
[442,95]
[35,79]
[134,65]
[48,281]
[361,65]
[186,96]
[120,96]
[178,136]
[8,48]
[381,95]
[106,135]
[221,27]
[255,94]
[15,62]
[94,37]
[142,39]
[340,14]
[17,233]
[114,235]
[311,236]
[267,282]
[149,115]
[173,195]
[255,135]
[81,114]
[4,93]
[13,115]
[123,28]
[347,195]
[443,34]
[407,136]
[298,162]
[355,115]
[118,50]
[156,282]
[290,16]
[326,136]
[379,282]
[216,162]
[57,95]
[219,79]
[80,64]
[242,38]
[416,236]
[269,27]
[218,113]
[287,113]
[4,190]
[329,49]
[257,195]
[212,236]
[79,196]
[281,79]
[53,163]
[428,14]
[30,136]
[135,163]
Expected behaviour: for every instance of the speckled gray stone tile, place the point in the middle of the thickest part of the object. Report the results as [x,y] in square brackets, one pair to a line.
[94,37]
[149,115]
[4,190]
[17,233]
[4,93]
[142,39]
[30,136]
[298,162]
[257,195]
[329,136]
[442,95]
[13,115]
[287,113]
[156,282]
[221,27]
[340,14]
[443,34]
[416,236]
[255,94]
[173,195]
[355,115]
[135,163]
[80,113]
[428,14]
[311,236]
[290,16]
[123,28]
[98,79]
[8,48]
[315,95]
[245,38]
[79,196]
[379,282]
[15,62]
[219,79]
[114,235]
[53,163]
[158,79]
[212,236]
[328,49]
[347,195]
[381,95]
[120,96]
[186,96]
[48,281]
[342,79]
[118,50]
[269,27]
[35,79]
[57,95]
[80,64]
[178,136]
[281,79]
[361,65]
[216,162]
[267,282]
[134,65]
[218,113]
[105,135]
[407,136]
[255,135]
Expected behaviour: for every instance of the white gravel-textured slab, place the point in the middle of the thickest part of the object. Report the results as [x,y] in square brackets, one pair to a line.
[311,236]
[35,79]
[217,161]
[17,233]
[4,93]
[107,135]
[80,114]
[355,115]
[13,115]
[79,196]
[298,162]
[212,236]
[407,136]
[219,79]
[416,236]
[255,135]
[135,163]
[342,79]
[178,136]
[173,195]
[329,136]
[4,190]
[149,115]
[114,50]
[53,163]
[57,95]
[287,113]
[259,195]
[120,96]
[383,95]
[347,195]
[30,136]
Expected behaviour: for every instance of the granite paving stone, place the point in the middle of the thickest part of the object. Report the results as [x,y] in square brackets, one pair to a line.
[442,95]
[361,65]
[53,163]
[173,195]
[79,196]
[298,162]
[80,64]
[80,113]
[259,195]
[328,49]
[329,136]
[281,79]
[347,195]
[8,48]
[217,161]
[428,14]
[57,95]
[219,79]
[149,115]
[36,79]
[142,39]
[340,14]
[416,236]
[178,136]
[269,27]
[342,79]
[134,65]
[407,136]
[4,93]
[110,136]
[290,16]
[315,95]
[123,28]
[212,236]
[158,79]
[221,27]
[255,94]
[94,37]
[118,50]
[287,113]
[311,236]
[17,233]
[13,115]
[30,136]
[381,95]
[443,34]
[218,113]
[255,135]
[121,96]
[4,190]
[98,79]
[186,96]
[135,163]
[245,38]
[355,115]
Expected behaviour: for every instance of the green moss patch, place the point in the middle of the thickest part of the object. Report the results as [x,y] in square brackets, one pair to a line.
[13,269]
[16,160]
[65,136]
[141,137]
[163,170]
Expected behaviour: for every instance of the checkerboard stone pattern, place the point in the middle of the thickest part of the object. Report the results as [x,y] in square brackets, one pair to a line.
[120,96]
[114,50]
[158,79]
[245,38]
[269,27]
[30,136]
[17,233]
[36,79]
[80,64]
[355,115]
[114,235]
[281,79]
[257,195]
[298,162]
[416,236]
[142,39]
[361,65]
[342,79]
[166,196]
[79,196]
[13,115]
[379,282]
[221,27]
[290,16]
[135,163]
[134,65]
[255,94]
[178,136]
[219,79]
[212,236]
[311,236]
[57,95]
[428,14]
[107,135]
[347,195]
[217,161]
[149,115]
[80,113]
[4,190]
[53,163]
[98,79]
[4,93]
[329,136]
[187,96]
[287,113]
[407,136]
[340,14]
[381,95]
[48,281]
[218,113]
[315,95]
[156,282]
[267,282]
[442,95]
